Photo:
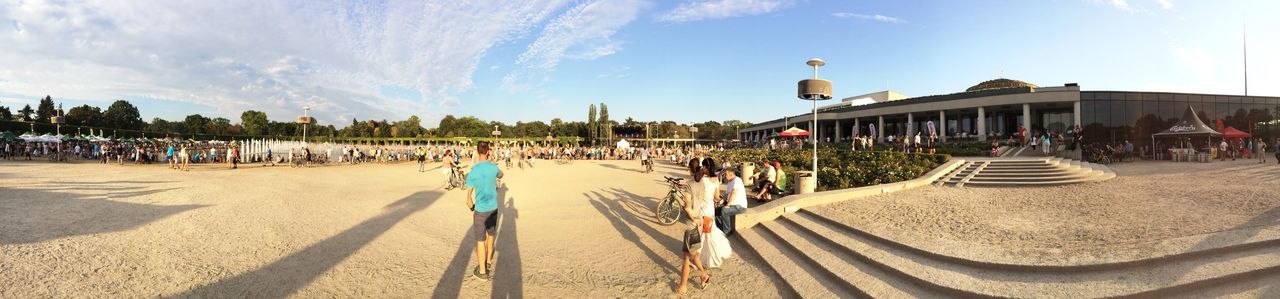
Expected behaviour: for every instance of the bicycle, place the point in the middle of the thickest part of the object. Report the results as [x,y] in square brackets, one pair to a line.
[458,179]
[670,208]
[648,165]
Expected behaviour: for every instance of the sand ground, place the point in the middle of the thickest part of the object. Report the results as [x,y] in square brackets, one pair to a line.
[1121,219]
[583,230]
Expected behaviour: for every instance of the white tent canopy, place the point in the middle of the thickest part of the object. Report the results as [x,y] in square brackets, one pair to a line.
[624,144]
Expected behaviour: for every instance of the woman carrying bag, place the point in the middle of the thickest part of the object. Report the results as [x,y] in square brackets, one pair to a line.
[709,248]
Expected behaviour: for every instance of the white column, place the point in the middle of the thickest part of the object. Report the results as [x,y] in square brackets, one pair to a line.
[1076,115]
[982,125]
[857,127]
[880,130]
[911,123]
[942,126]
[1026,118]
[837,139]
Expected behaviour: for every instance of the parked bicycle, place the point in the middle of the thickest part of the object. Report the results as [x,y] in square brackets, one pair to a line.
[670,208]
[459,177]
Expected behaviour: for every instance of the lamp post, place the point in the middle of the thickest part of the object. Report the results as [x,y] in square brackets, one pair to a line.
[496,133]
[305,120]
[57,120]
[305,113]
[814,90]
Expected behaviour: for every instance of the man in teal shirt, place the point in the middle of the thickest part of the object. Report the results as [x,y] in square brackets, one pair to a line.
[483,201]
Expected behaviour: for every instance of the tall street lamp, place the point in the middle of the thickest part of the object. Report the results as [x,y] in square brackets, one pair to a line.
[814,90]
[305,120]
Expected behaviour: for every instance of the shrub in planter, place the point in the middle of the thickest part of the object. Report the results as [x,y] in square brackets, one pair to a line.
[842,168]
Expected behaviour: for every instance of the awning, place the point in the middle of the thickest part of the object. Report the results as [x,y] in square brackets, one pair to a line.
[1231,132]
[1189,125]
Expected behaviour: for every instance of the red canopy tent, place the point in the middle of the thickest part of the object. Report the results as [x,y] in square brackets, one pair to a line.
[1231,132]
[793,131]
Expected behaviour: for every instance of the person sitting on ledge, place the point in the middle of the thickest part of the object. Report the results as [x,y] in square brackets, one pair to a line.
[765,182]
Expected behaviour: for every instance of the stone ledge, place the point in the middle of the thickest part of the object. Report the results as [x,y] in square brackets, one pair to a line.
[793,203]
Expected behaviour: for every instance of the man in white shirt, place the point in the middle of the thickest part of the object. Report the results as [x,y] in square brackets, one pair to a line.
[733,203]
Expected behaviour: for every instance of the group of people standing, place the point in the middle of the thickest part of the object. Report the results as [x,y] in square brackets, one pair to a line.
[1246,149]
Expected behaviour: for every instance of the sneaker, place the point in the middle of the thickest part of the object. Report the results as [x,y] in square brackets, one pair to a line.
[481,276]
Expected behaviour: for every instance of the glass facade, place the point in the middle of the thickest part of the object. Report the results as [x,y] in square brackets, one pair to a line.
[1113,117]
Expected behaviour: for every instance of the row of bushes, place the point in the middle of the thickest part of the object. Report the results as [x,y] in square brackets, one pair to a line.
[955,149]
[842,168]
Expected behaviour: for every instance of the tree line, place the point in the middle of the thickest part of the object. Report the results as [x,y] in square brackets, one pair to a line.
[599,127]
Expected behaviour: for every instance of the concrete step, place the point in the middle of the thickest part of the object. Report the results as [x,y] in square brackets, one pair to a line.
[854,270]
[1026,172]
[797,274]
[947,276]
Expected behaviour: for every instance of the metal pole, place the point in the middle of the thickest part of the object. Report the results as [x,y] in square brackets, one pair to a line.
[813,133]
[304,125]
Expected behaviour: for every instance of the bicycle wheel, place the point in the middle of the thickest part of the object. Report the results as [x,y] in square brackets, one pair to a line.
[668,211]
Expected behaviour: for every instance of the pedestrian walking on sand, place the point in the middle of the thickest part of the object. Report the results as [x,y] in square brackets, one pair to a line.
[483,202]
[1261,151]
[1222,151]
[693,237]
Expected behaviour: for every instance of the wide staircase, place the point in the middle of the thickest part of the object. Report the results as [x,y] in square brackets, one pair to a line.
[818,257]
[1015,172]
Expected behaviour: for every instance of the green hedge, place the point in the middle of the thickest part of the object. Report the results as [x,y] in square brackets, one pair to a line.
[842,168]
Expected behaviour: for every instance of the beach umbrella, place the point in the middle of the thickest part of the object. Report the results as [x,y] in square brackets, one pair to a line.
[794,131]
[8,136]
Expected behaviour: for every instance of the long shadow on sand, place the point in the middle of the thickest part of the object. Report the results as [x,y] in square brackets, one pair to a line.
[508,272]
[660,168]
[627,223]
[35,215]
[286,275]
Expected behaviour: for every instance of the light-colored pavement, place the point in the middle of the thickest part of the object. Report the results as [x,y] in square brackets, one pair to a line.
[578,230]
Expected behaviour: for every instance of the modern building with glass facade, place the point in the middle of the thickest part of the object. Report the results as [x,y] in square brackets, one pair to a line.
[996,109]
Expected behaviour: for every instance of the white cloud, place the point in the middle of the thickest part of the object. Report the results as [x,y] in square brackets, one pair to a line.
[273,56]
[873,17]
[1165,4]
[585,31]
[1198,59]
[721,9]
[1126,6]
[618,73]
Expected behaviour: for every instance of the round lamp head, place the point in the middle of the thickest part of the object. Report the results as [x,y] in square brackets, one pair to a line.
[814,89]
[816,62]
[307,120]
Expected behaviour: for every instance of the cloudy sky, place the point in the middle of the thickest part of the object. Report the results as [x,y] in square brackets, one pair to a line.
[535,60]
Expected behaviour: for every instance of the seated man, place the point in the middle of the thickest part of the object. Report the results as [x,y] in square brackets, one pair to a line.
[764,182]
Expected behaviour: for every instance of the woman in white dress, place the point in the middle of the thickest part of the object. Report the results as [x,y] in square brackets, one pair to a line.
[715,247]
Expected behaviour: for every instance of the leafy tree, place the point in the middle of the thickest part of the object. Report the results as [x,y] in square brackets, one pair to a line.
[254,122]
[27,113]
[45,110]
[160,125]
[446,126]
[123,115]
[591,124]
[85,115]
[5,114]
[605,130]
[217,126]
[195,124]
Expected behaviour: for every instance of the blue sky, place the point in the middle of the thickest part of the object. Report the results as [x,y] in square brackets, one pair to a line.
[651,60]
